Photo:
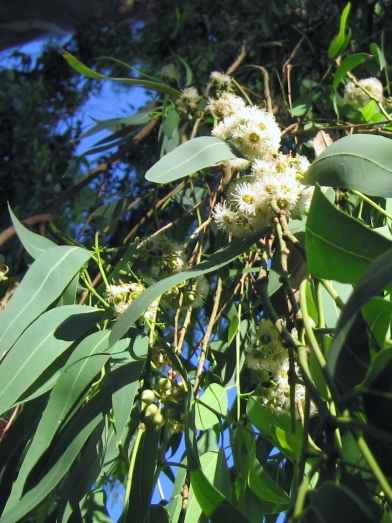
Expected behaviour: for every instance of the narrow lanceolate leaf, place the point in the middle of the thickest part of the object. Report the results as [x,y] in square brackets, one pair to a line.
[212,502]
[35,244]
[189,158]
[43,341]
[83,365]
[339,247]
[347,65]
[64,455]
[148,84]
[341,40]
[221,258]
[43,283]
[361,161]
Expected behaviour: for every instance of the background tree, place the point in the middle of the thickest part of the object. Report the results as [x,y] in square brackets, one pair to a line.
[89,401]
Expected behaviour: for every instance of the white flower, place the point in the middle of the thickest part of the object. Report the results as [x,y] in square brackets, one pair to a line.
[245,197]
[190,94]
[224,217]
[220,79]
[357,98]
[226,105]
[198,293]
[285,190]
[252,130]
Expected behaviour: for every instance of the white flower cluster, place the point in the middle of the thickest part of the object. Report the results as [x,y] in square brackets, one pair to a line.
[121,296]
[188,101]
[266,353]
[275,177]
[248,201]
[357,98]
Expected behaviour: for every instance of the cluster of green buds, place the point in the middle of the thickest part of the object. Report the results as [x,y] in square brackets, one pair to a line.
[122,295]
[164,404]
[159,258]
[188,294]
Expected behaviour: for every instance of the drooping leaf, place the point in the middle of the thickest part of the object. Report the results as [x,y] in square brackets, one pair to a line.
[35,244]
[221,258]
[147,84]
[339,247]
[215,396]
[44,341]
[341,40]
[360,161]
[63,455]
[208,462]
[83,365]
[113,124]
[189,158]
[142,478]
[42,284]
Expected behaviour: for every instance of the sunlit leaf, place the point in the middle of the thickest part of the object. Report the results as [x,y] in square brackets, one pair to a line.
[35,244]
[360,161]
[347,65]
[215,396]
[44,341]
[189,158]
[339,247]
[42,284]
[147,84]
[341,40]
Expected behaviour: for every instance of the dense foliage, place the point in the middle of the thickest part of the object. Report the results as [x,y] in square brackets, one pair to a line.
[218,335]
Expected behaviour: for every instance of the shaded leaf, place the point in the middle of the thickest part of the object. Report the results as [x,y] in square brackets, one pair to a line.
[189,158]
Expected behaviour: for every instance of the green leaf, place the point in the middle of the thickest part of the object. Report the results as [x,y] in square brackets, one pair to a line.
[42,284]
[63,456]
[125,376]
[301,106]
[360,161]
[208,462]
[347,65]
[143,475]
[83,365]
[261,483]
[377,313]
[377,277]
[171,121]
[44,341]
[35,244]
[113,124]
[339,247]
[147,84]
[379,55]
[189,158]
[341,40]
[221,258]
[215,396]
